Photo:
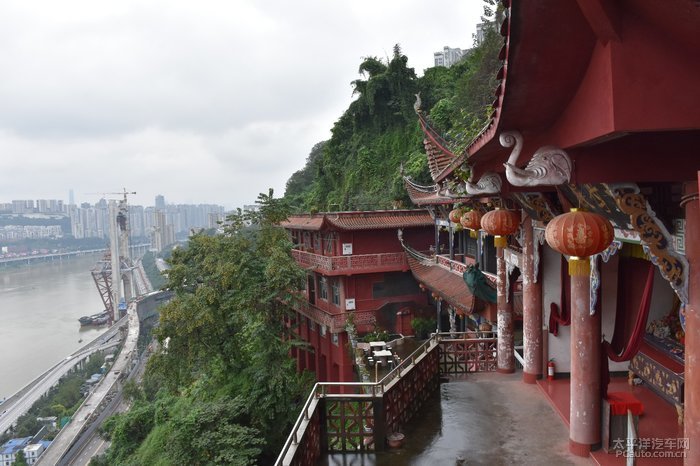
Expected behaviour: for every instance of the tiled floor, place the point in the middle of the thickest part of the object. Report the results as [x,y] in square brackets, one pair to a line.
[658,424]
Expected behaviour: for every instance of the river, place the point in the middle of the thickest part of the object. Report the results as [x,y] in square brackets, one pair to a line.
[39,309]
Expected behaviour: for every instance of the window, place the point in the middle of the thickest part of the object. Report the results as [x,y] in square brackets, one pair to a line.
[336,292]
[323,288]
[312,325]
[324,329]
[329,244]
[317,242]
[334,338]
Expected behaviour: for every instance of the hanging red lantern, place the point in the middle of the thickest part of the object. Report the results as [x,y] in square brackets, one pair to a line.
[471,220]
[579,234]
[500,223]
[455,215]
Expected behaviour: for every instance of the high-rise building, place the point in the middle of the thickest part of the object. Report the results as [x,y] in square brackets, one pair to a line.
[160,202]
[448,56]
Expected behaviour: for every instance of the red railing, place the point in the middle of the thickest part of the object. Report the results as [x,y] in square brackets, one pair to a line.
[334,322]
[361,418]
[392,261]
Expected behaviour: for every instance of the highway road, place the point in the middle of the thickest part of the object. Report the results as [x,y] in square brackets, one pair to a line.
[19,403]
[102,395]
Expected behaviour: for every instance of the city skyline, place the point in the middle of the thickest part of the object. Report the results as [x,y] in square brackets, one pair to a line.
[78,203]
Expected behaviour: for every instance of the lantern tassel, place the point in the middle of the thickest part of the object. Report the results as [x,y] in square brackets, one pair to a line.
[579,266]
[500,241]
[472,234]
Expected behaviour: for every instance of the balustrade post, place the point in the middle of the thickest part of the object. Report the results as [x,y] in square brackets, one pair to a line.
[379,427]
[322,424]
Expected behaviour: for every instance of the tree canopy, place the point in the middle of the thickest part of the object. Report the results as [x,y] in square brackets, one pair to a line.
[223,390]
[358,168]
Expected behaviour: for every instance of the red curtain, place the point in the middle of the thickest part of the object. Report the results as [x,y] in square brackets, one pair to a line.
[559,317]
[632,272]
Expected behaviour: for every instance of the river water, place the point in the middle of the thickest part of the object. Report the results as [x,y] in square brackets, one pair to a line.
[39,309]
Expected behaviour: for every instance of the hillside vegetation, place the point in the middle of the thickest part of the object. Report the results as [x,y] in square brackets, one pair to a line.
[222,389]
[359,167]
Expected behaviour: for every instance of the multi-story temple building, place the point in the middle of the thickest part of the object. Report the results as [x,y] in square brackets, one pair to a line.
[356,269]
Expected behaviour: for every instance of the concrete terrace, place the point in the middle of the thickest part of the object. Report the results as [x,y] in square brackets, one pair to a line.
[483,418]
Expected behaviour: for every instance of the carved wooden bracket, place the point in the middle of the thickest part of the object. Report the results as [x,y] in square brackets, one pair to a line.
[490,183]
[549,166]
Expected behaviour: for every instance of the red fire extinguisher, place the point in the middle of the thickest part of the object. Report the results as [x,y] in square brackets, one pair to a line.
[550,370]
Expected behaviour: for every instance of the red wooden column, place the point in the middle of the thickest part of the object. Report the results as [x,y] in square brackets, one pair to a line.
[692,324]
[532,308]
[584,413]
[506,359]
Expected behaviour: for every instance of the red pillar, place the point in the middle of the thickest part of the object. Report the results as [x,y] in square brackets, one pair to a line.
[532,308]
[506,359]
[692,324]
[584,413]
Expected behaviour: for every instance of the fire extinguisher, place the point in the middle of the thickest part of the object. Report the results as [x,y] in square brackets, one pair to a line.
[550,370]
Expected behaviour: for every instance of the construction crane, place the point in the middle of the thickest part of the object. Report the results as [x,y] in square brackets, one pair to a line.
[124,193]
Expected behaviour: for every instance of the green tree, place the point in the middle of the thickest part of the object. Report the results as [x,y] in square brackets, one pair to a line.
[20,459]
[224,391]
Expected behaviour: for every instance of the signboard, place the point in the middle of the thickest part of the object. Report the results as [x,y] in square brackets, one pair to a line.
[350,304]
[347,249]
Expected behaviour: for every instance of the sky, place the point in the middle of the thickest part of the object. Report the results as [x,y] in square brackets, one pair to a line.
[200,101]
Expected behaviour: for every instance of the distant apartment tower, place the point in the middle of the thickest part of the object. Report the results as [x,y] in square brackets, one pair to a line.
[22,206]
[160,202]
[448,56]
[480,33]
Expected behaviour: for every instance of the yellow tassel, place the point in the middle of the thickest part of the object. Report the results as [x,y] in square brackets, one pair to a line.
[579,266]
[500,241]
[472,233]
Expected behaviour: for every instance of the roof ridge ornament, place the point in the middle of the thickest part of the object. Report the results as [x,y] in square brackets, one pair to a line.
[549,166]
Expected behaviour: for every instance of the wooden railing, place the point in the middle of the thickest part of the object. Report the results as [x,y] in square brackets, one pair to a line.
[334,322]
[360,421]
[394,261]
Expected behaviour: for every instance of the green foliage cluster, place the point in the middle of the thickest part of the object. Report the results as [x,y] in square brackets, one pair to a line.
[223,390]
[423,326]
[358,168]
[154,276]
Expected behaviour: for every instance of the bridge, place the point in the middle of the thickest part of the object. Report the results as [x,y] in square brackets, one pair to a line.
[136,249]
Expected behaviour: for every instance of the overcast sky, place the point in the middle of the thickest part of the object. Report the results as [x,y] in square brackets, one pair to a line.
[201,101]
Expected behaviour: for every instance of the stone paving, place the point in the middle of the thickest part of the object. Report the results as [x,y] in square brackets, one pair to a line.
[480,419]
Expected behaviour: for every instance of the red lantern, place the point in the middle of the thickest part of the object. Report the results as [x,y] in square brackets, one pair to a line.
[579,234]
[455,215]
[500,223]
[472,221]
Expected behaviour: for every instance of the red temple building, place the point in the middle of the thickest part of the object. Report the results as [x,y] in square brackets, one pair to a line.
[357,269]
[597,109]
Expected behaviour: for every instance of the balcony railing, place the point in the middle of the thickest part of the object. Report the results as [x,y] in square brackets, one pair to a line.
[459,268]
[392,261]
[360,421]
[334,322]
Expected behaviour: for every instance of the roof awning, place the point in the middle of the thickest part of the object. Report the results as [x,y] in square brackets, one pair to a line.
[447,285]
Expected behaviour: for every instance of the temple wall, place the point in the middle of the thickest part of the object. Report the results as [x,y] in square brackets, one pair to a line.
[559,347]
